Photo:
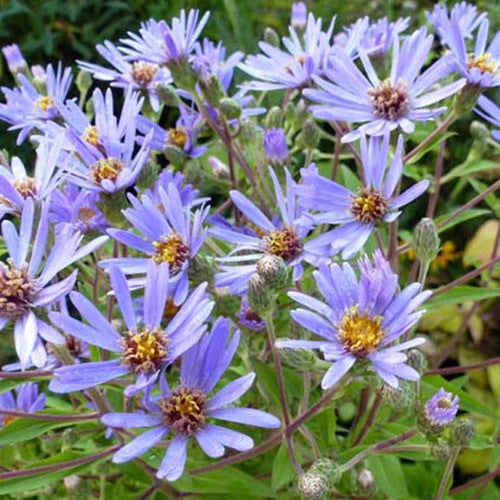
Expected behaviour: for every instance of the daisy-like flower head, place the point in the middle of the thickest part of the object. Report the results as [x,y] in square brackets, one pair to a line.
[380,34]
[293,68]
[359,319]
[16,186]
[183,135]
[143,348]
[106,160]
[357,213]
[382,105]
[27,286]
[275,146]
[441,409]
[466,15]
[15,59]
[27,107]
[171,233]
[187,411]
[139,75]
[77,207]
[491,113]
[282,237]
[481,68]
[25,398]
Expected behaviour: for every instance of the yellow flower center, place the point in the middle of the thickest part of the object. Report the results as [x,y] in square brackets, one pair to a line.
[184,410]
[16,289]
[90,135]
[284,243]
[485,62]
[44,103]
[144,351]
[25,187]
[178,137]
[105,168]
[172,250]
[360,334]
[390,102]
[369,206]
[143,72]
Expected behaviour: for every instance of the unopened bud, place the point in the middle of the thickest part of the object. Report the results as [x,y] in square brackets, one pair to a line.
[309,135]
[399,398]
[329,469]
[274,118]
[275,146]
[260,295]
[219,168]
[366,481]
[299,359]
[271,37]
[441,450]
[479,131]
[167,94]
[417,360]
[299,15]
[312,486]
[462,431]
[83,81]
[175,155]
[274,270]
[230,108]
[425,240]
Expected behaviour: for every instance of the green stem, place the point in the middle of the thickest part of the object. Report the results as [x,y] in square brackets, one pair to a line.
[448,471]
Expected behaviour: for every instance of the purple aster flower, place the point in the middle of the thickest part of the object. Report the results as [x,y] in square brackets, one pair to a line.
[106,160]
[16,186]
[15,59]
[349,39]
[282,237]
[275,146]
[183,135]
[27,107]
[441,409]
[143,349]
[77,207]
[360,319]
[466,15]
[139,75]
[490,112]
[358,213]
[248,318]
[26,399]
[171,233]
[299,15]
[481,67]
[147,45]
[294,67]
[346,94]
[27,287]
[185,410]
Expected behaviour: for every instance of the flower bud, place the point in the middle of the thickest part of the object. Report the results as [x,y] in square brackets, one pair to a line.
[201,269]
[230,108]
[261,297]
[248,131]
[309,135]
[271,37]
[441,450]
[219,168]
[399,398]
[462,431]
[479,131]
[274,270]
[312,486]
[275,146]
[438,413]
[299,15]
[299,359]
[329,469]
[417,360]
[425,241]
[167,94]
[15,59]
[174,155]
[83,81]
[366,481]
[274,118]
[212,89]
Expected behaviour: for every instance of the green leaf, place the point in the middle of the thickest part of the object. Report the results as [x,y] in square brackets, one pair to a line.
[23,429]
[434,143]
[8,384]
[267,378]
[461,294]
[389,476]
[471,213]
[468,168]
[491,199]
[283,471]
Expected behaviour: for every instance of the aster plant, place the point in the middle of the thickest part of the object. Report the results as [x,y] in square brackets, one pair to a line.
[321,193]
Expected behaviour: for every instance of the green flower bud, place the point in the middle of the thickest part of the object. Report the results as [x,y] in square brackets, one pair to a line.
[261,297]
[274,270]
[462,431]
[417,360]
[212,90]
[274,118]
[479,131]
[312,486]
[167,94]
[248,131]
[201,269]
[83,81]
[299,359]
[175,155]
[425,240]
[309,136]
[399,398]
[111,205]
[441,450]
[271,37]
[230,108]
[329,469]
[366,481]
